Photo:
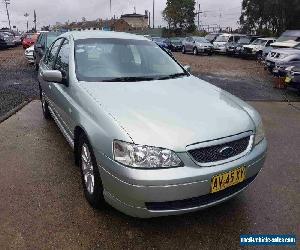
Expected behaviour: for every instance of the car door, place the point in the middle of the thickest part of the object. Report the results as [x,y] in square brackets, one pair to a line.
[61,92]
[189,46]
[48,64]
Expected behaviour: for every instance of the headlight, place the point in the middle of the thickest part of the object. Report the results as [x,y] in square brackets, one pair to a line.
[259,133]
[140,156]
[289,68]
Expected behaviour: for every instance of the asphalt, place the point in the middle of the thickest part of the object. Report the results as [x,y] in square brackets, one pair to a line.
[42,204]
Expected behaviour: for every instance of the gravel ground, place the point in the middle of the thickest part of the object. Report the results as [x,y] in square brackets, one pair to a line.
[246,79]
[17,79]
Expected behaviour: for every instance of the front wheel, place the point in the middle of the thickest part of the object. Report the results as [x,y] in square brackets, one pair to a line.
[183,50]
[91,181]
[195,51]
[45,107]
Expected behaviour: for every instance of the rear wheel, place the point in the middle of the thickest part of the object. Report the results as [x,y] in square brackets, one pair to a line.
[91,181]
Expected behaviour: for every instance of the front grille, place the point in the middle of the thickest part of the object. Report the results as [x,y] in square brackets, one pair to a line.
[220,152]
[198,201]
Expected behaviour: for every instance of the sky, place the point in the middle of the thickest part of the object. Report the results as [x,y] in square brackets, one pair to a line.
[215,12]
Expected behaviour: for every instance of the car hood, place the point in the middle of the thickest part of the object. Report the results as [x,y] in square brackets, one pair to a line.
[285,44]
[288,51]
[171,113]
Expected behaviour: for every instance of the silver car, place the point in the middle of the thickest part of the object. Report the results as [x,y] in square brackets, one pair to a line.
[150,138]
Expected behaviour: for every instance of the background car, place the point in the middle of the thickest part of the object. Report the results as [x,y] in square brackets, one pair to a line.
[29,54]
[293,77]
[162,42]
[6,40]
[43,42]
[223,40]
[176,43]
[288,39]
[197,45]
[235,48]
[29,40]
[255,49]
[282,57]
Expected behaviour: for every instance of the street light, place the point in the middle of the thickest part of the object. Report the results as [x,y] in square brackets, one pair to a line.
[26,15]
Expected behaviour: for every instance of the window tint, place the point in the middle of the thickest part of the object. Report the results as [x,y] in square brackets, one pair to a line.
[62,60]
[52,53]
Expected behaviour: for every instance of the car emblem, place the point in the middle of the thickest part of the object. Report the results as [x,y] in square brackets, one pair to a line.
[227,152]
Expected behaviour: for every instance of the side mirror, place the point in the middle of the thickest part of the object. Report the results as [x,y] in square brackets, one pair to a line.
[187,68]
[40,46]
[52,76]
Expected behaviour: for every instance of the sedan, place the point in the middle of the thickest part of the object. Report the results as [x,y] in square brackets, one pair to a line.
[29,40]
[150,138]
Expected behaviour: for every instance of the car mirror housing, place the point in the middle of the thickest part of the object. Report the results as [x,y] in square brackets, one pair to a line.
[52,76]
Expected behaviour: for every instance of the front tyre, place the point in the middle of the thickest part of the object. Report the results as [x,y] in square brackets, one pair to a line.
[45,106]
[195,51]
[91,181]
[183,50]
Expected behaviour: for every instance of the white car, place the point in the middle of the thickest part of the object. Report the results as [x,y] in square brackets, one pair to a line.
[29,54]
[222,40]
[256,48]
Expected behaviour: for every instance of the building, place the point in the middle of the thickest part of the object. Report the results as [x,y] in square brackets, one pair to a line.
[137,21]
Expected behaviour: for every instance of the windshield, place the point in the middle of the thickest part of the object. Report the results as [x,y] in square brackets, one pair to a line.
[201,40]
[210,37]
[107,59]
[244,40]
[288,38]
[222,39]
[259,42]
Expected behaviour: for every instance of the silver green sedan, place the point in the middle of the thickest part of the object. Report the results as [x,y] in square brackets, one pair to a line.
[150,138]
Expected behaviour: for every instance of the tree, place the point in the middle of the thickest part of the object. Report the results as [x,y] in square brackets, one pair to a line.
[180,14]
[269,17]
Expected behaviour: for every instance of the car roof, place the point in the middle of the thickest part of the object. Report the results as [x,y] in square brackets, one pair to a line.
[79,35]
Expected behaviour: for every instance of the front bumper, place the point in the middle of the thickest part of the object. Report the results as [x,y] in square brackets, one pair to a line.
[153,193]
[29,57]
[220,49]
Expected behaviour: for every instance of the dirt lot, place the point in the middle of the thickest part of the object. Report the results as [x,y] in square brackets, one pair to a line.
[17,79]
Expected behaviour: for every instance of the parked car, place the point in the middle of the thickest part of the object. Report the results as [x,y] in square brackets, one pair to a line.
[282,57]
[42,44]
[176,44]
[223,40]
[162,42]
[29,40]
[235,48]
[288,39]
[6,40]
[197,45]
[281,70]
[29,54]
[255,49]
[211,37]
[293,77]
[150,138]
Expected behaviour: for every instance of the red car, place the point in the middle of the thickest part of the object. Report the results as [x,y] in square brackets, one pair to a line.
[29,40]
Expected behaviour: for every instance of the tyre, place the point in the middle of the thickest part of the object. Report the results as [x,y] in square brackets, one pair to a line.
[183,50]
[195,51]
[45,107]
[91,181]
[259,56]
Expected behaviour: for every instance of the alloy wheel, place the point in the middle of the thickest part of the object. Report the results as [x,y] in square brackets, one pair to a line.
[87,169]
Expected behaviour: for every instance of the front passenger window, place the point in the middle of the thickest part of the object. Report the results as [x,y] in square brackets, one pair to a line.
[52,53]
[62,60]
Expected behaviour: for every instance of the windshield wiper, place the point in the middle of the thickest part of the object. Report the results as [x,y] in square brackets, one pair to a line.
[171,76]
[130,79]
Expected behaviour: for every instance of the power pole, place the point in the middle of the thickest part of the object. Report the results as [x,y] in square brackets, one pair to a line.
[198,15]
[34,20]
[26,15]
[7,2]
[153,14]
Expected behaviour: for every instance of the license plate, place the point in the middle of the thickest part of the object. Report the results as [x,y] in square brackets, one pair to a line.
[288,79]
[228,179]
